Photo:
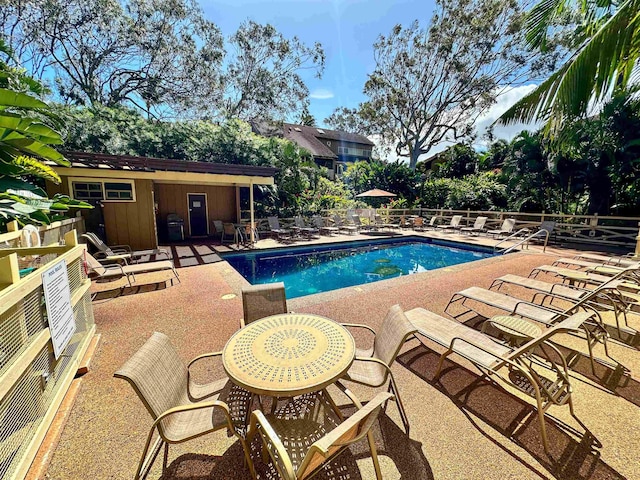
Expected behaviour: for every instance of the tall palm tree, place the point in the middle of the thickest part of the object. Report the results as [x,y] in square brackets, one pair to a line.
[606,54]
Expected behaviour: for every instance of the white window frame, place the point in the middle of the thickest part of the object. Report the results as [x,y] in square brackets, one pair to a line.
[102,181]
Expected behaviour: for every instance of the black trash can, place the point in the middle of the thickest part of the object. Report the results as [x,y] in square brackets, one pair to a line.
[175,228]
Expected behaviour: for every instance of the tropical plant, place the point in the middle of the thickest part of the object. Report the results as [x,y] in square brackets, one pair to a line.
[605,53]
[25,143]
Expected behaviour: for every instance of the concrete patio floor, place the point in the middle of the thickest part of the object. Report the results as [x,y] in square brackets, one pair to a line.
[461,426]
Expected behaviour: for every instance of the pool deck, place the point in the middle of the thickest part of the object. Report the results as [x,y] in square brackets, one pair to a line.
[461,426]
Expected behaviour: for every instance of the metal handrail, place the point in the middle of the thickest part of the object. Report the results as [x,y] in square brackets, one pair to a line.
[524,240]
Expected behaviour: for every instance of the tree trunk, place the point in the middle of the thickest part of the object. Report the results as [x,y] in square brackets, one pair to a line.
[413,161]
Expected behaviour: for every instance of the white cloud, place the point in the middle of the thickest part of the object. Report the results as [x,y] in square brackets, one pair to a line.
[321,94]
[503,103]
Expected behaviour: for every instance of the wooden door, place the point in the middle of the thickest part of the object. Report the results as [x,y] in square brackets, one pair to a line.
[197,203]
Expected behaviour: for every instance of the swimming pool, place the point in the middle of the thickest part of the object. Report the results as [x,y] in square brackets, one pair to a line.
[321,268]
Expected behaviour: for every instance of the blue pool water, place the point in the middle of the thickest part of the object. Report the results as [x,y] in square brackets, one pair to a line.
[309,270]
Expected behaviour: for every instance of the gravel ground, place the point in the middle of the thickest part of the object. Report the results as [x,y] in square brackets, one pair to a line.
[462,427]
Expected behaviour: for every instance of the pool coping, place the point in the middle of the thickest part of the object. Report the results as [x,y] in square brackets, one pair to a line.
[236,281]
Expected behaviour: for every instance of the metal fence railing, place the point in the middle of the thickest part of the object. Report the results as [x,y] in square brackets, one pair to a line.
[32,381]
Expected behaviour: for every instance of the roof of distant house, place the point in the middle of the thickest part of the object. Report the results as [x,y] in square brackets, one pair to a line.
[310,138]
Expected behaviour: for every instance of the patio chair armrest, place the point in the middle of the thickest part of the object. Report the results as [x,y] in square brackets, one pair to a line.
[271,441]
[566,285]
[196,406]
[359,325]
[126,248]
[524,302]
[204,355]
[349,394]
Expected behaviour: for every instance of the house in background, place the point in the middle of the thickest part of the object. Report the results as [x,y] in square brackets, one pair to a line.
[331,149]
[134,195]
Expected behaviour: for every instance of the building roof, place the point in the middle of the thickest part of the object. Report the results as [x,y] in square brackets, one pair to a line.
[326,134]
[151,164]
[309,138]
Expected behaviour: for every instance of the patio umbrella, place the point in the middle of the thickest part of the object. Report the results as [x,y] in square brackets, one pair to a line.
[376,192]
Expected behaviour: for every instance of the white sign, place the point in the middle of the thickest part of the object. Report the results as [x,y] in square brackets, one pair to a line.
[57,297]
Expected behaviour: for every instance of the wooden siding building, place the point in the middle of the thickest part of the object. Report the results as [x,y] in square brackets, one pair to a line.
[133,196]
[332,149]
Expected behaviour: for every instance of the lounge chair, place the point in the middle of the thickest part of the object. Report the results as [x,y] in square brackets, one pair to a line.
[403,223]
[125,251]
[373,367]
[505,229]
[478,226]
[274,227]
[433,222]
[418,224]
[230,234]
[594,333]
[607,260]
[617,301]
[114,271]
[319,222]
[302,228]
[300,438]
[597,267]
[594,276]
[380,223]
[260,301]
[218,228]
[181,409]
[493,358]
[355,220]
[454,224]
[342,226]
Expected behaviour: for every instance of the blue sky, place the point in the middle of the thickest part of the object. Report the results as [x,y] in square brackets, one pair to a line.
[347,30]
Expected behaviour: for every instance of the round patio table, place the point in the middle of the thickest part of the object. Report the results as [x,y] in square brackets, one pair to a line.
[288,355]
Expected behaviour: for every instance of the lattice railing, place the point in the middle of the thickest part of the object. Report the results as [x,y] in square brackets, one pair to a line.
[32,382]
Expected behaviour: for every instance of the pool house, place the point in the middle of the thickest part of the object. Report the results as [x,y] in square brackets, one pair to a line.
[134,196]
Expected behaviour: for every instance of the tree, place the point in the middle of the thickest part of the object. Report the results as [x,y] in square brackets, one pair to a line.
[306,118]
[161,57]
[460,160]
[142,53]
[25,143]
[605,54]
[430,85]
[263,79]
[348,120]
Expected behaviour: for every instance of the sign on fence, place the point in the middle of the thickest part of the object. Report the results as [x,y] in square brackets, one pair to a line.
[57,297]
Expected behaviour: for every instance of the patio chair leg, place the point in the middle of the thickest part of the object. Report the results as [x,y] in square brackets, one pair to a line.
[147,458]
[543,428]
[403,414]
[165,458]
[334,407]
[374,455]
[247,457]
[440,363]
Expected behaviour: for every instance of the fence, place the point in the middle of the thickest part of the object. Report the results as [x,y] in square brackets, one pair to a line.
[49,234]
[32,382]
[592,229]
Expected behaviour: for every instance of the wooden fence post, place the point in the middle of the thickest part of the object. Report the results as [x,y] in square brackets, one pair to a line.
[636,255]
[12,226]
[9,269]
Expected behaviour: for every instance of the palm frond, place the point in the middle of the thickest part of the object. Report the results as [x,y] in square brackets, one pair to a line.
[604,63]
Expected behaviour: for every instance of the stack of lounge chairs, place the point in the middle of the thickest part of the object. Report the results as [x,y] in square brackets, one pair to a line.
[525,327]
